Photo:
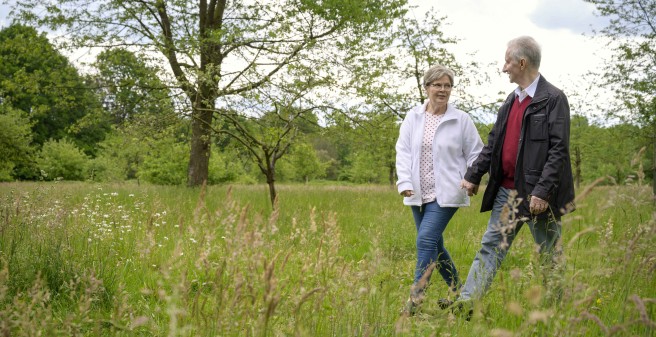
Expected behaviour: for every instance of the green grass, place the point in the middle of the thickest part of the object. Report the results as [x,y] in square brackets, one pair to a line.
[81,259]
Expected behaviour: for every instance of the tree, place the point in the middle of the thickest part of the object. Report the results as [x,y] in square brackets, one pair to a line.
[402,57]
[214,49]
[603,151]
[388,81]
[36,79]
[374,139]
[631,71]
[141,110]
[15,140]
[131,90]
[266,122]
[361,170]
[306,162]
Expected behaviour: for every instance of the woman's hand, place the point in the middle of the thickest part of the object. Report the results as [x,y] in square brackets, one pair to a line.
[407,193]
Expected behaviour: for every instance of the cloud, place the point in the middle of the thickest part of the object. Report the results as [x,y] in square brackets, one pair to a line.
[4,20]
[576,16]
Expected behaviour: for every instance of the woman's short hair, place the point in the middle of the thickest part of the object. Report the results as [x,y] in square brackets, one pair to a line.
[525,47]
[436,72]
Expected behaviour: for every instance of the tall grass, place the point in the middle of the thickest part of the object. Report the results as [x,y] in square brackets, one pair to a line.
[82,259]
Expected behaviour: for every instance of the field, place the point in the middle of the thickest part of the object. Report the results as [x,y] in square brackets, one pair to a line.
[81,259]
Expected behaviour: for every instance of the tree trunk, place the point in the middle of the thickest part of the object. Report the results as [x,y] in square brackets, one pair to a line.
[392,175]
[272,187]
[201,136]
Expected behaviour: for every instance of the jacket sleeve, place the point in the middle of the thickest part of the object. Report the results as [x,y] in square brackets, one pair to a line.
[482,163]
[558,152]
[472,143]
[404,155]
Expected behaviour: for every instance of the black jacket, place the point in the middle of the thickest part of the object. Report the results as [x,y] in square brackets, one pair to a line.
[543,161]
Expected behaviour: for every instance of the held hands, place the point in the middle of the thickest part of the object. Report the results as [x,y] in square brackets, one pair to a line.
[471,188]
[464,184]
[538,205]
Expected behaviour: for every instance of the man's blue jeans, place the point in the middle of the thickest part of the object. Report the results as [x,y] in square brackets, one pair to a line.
[431,221]
[499,236]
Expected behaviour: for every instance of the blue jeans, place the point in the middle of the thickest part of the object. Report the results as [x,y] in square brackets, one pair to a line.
[431,221]
[497,240]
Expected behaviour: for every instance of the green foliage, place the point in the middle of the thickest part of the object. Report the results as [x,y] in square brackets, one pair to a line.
[264,120]
[307,162]
[362,171]
[301,165]
[360,14]
[605,151]
[15,140]
[362,147]
[142,114]
[37,79]
[119,157]
[61,159]
[130,89]
[165,163]
[225,169]
[631,71]
[217,49]
[107,169]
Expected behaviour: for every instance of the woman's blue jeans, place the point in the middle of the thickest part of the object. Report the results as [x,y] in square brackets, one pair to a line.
[431,221]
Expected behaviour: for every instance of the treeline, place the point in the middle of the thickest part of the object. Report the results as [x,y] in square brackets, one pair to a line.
[120,122]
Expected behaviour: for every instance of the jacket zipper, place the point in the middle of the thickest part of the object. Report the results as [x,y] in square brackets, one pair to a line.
[521,132]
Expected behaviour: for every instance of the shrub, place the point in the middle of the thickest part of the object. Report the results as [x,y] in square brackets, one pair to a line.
[224,168]
[166,163]
[107,169]
[61,159]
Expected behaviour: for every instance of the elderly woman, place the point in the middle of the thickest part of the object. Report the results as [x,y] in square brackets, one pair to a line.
[436,145]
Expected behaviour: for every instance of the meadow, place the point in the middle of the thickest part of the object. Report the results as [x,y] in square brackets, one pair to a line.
[84,259]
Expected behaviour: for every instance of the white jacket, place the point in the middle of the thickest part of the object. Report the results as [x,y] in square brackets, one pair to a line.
[456,145]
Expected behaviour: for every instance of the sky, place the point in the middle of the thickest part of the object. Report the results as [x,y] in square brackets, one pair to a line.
[484,27]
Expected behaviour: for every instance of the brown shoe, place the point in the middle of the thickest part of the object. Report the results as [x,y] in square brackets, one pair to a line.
[444,303]
[410,308]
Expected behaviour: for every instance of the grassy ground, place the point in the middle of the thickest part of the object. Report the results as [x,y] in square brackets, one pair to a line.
[127,260]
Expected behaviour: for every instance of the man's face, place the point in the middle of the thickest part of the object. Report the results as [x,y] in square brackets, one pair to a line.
[511,67]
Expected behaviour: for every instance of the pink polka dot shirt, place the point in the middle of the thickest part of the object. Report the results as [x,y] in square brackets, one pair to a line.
[427,175]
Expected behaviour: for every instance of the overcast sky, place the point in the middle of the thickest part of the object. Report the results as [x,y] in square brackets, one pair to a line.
[485,27]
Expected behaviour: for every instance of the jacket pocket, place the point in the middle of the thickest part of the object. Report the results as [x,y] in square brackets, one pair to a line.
[532,179]
[538,128]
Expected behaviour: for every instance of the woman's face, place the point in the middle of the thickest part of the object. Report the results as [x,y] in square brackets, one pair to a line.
[439,90]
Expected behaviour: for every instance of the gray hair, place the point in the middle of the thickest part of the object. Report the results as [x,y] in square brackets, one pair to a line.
[435,72]
[525,47]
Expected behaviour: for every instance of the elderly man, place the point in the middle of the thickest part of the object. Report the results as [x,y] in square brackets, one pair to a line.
[528,159]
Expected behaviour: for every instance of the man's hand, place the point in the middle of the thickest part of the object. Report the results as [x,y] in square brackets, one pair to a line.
[407,193]
[471,188]
[538,205]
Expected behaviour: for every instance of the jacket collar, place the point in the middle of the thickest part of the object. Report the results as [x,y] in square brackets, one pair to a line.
[541,92]
[449,114]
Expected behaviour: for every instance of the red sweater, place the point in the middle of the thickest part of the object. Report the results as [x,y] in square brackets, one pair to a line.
[511,141]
